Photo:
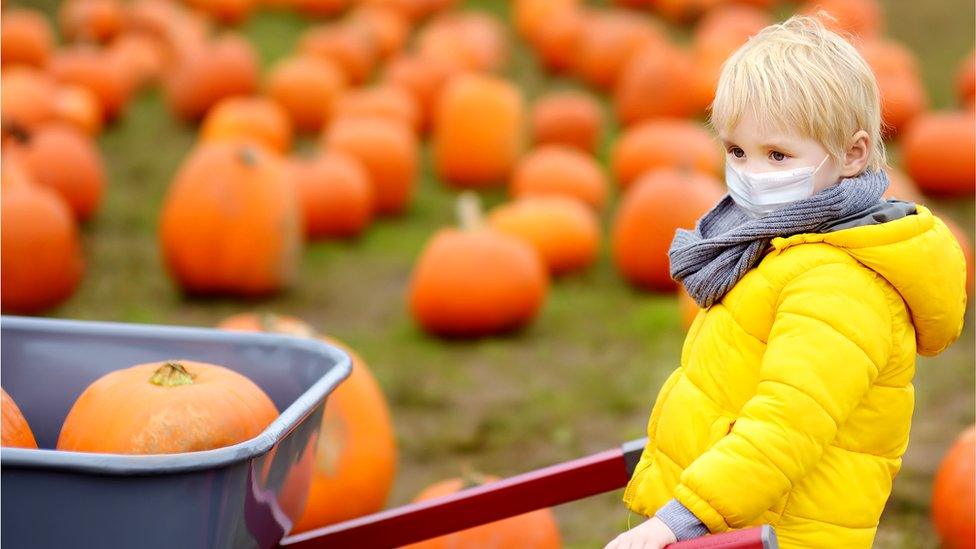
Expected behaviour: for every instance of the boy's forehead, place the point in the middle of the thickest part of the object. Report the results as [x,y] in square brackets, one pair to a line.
[750,129]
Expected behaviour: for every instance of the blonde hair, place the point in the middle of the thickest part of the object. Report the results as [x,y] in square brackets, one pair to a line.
[799,77]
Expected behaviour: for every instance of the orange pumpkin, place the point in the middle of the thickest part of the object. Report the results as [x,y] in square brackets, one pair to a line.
[350,47]
[563,230]
[478,131]
[424,78]
[654,84]
[387,150]
[142,58]
[26,38]
[308,88]
[384,101]
[562,171]
[256,119]
[939,153]
[687,307]
[966,80]
[607,42]
[857,17]
[664,144]
[206,73]
[468,40]
[357,452]
[475,281]
[78,107]
[901,186]
[96,70]
[28,98]
[659,203]
[967,250]
[320,8]
[91,20]
[226,11]
[166,408]
[555,42]
[60,157]
[534,530]
[15,431]
[903,95]
[681,11]
[719,33]
[40,254]
[953,494]
[567,118]
[413,10]
[532,15]
[231,197]
[389,28]
[335,194]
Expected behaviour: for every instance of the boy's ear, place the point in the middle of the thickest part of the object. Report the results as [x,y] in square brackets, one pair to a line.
[856,157]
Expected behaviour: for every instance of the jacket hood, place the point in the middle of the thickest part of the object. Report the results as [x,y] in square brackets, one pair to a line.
[918,255]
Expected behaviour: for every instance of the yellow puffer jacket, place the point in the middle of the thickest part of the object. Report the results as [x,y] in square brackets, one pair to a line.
[794,398]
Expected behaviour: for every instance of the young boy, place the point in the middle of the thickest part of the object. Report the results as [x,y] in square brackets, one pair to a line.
[793,400]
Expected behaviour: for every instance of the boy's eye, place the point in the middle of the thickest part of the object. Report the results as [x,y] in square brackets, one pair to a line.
[737,152]
[777,156]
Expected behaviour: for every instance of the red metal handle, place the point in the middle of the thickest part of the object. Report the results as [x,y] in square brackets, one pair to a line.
[760,537]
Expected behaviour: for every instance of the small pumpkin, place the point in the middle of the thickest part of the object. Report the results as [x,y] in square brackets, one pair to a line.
[233,198]
[383,101]
[953,494]
[167,407]
[475,281]
[467,40]
[27,38]
[563,230]
[562,171]
[142,58]
[659,203]
[96,70]
[533,530]
[606,43]
[424,78]
[78,106]
[255,119]
[531,15]
[567,118]
[349,46]
[28,98]
[205,73]
[387,150]
[939,153]
[91,20]
[40,255]
[478,131]
[308,88]
[664,143]
[654,84]
[555,42]
[389,28]
[861,18]
[335,194]
[15,432]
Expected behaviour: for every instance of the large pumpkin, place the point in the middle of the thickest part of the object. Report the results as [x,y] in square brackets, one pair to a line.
[607,42]
[308,88]
[96,70]
[475,281]
[230,223]
[564,231]
[389,28]
[142,58]
[334,192]
[384,101]
[478,131]
[531,15]
[91,20]
[862,18]
[387,150]
[719,33]
[256,119]
[15,432]
[40,254]
[28,98]
[203,74]
[422,77]
[903,95]
[939,153]
[555,42]
[664,144]
[468,40]
[567,118]
[654,84]
[659,203]
[533,530]
[954,495]
[561,171]
[166,408]
[357,453]
[349,46]
[26,39]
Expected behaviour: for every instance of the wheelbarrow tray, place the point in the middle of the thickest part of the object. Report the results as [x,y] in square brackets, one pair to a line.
[245,495]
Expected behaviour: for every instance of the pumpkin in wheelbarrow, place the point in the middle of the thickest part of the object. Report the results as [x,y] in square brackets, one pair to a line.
[953,495]
[14,431]
[355,460]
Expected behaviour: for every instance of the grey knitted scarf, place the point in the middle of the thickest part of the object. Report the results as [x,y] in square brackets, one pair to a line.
[726,242]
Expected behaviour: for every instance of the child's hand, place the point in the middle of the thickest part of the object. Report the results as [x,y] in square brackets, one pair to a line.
[653,534]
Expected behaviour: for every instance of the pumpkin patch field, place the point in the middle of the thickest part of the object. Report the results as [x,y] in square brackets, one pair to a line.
[473,197]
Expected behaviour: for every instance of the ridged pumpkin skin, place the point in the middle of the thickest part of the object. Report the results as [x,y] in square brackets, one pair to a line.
[423,78]
[384,101]
[534,530]
[308,88]
[658,204]
[254,119]
[654,84]
[355,461]
[230,223]
[564,230]
[91,20]
[15,432]
[567,118]
[478,131]
[208,72]
[335,194]
[560,171]
[939,153]
[27,38]
[155,408]
[664,144]
[953,497]
[389,153]
[96,70]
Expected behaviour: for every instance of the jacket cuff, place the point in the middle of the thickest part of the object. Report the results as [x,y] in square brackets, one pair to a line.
[682,522]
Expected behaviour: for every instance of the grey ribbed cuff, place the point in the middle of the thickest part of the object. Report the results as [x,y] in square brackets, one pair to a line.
[681,521]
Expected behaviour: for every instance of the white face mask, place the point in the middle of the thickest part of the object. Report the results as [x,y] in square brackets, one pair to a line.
[761,193]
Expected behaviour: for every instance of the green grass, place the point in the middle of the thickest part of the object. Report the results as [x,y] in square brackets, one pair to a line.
[580,379]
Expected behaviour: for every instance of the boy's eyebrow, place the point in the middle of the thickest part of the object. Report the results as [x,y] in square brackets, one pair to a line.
[775,145]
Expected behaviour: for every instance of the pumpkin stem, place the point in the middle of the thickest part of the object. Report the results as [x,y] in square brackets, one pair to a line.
[469,213]
[171,374]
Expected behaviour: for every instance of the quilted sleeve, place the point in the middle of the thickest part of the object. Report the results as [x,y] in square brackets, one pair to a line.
[830,337]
